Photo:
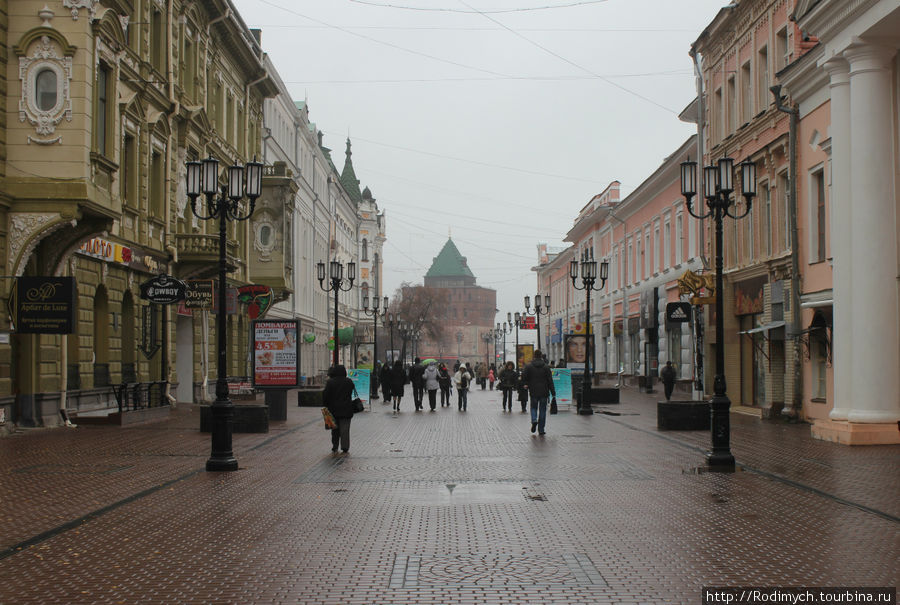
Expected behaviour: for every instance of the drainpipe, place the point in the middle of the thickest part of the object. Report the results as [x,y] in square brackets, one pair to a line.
[794,114]
[698,319]
[612,326]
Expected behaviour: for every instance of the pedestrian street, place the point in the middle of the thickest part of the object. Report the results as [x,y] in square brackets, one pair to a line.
[440,507]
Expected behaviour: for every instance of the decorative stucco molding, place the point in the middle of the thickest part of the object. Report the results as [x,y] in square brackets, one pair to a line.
[27,229]
[45,56]
[74,5]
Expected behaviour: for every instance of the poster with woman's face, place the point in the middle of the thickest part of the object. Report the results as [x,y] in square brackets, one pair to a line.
[276,353]
[576,351]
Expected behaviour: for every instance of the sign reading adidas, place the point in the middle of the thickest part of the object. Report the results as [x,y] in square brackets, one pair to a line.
[678,312]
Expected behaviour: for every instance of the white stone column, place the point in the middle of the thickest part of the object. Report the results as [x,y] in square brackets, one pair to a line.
[841,217]
[873,261]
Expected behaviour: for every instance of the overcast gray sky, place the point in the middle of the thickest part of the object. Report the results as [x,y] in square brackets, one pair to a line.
[493,120]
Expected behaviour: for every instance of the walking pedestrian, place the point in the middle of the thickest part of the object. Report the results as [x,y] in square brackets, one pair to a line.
[522,391]
[508,380]
[539,381]
[431,384]
[338,398]
[398,379]
[417,380]
[482,375]
[668,375]
[491,377]
[462,379]
[386,382]
[444,380]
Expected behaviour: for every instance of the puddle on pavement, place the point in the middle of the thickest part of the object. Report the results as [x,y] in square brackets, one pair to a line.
[449,494]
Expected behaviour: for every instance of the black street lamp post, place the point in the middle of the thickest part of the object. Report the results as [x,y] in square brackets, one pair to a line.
[374,314]
[504,331]
[518,320]
[391,324]
[486,339]
[336,279]
[588,279]
[538,311]
[718,186]
[203,178]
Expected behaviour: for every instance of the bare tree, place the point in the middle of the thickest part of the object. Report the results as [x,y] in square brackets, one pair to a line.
[422,309]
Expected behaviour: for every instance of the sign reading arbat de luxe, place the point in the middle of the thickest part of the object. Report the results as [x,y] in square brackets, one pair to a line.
[163,290]
[43,305]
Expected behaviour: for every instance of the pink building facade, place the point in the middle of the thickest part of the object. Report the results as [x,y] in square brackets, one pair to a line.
[847,94]
[811,295]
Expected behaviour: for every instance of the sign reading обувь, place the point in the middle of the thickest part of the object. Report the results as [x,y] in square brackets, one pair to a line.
[43,305]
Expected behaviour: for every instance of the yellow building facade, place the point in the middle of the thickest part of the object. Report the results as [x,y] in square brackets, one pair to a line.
[103,104]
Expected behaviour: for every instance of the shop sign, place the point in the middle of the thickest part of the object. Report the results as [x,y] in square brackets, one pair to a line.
[43,305]
[678,312]
[748,296]
[276,353]
[130,256]
[231,300]
[199,294]
[163,290]
[257,298]
[528,323]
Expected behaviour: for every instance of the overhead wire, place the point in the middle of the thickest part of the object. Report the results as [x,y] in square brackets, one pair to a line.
[381,42]
[572,63]
[496,11]
[474,162]
[676,72]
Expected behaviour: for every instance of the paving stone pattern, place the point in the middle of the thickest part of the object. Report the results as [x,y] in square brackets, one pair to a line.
[442,507]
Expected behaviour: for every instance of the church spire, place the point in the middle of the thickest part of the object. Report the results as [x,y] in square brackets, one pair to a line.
[348,177]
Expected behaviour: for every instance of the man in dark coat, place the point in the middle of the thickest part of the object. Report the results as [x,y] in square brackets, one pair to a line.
[668,375]
[417,379]
[539,381]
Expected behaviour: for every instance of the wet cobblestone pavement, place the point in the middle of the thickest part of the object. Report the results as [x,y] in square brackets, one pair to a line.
[442,507]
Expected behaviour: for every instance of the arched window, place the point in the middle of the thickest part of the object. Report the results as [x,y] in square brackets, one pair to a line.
[365,250]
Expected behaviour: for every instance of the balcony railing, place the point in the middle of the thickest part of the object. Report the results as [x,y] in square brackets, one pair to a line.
[200,246]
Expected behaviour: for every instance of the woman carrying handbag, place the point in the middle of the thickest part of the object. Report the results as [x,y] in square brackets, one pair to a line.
[338,398]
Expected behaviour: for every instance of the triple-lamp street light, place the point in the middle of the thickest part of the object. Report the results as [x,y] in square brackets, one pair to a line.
[588,279]
[506,329]
[374,314]
[390,323]
[518,321]
[336,279]
[538,311]
[718,184]
[243,181]
[486,338]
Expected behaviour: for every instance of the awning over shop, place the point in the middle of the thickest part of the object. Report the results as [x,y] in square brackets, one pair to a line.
[764,328]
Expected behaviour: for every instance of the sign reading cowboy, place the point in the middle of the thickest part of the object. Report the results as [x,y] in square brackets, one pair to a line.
[163,290]
[43,305]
